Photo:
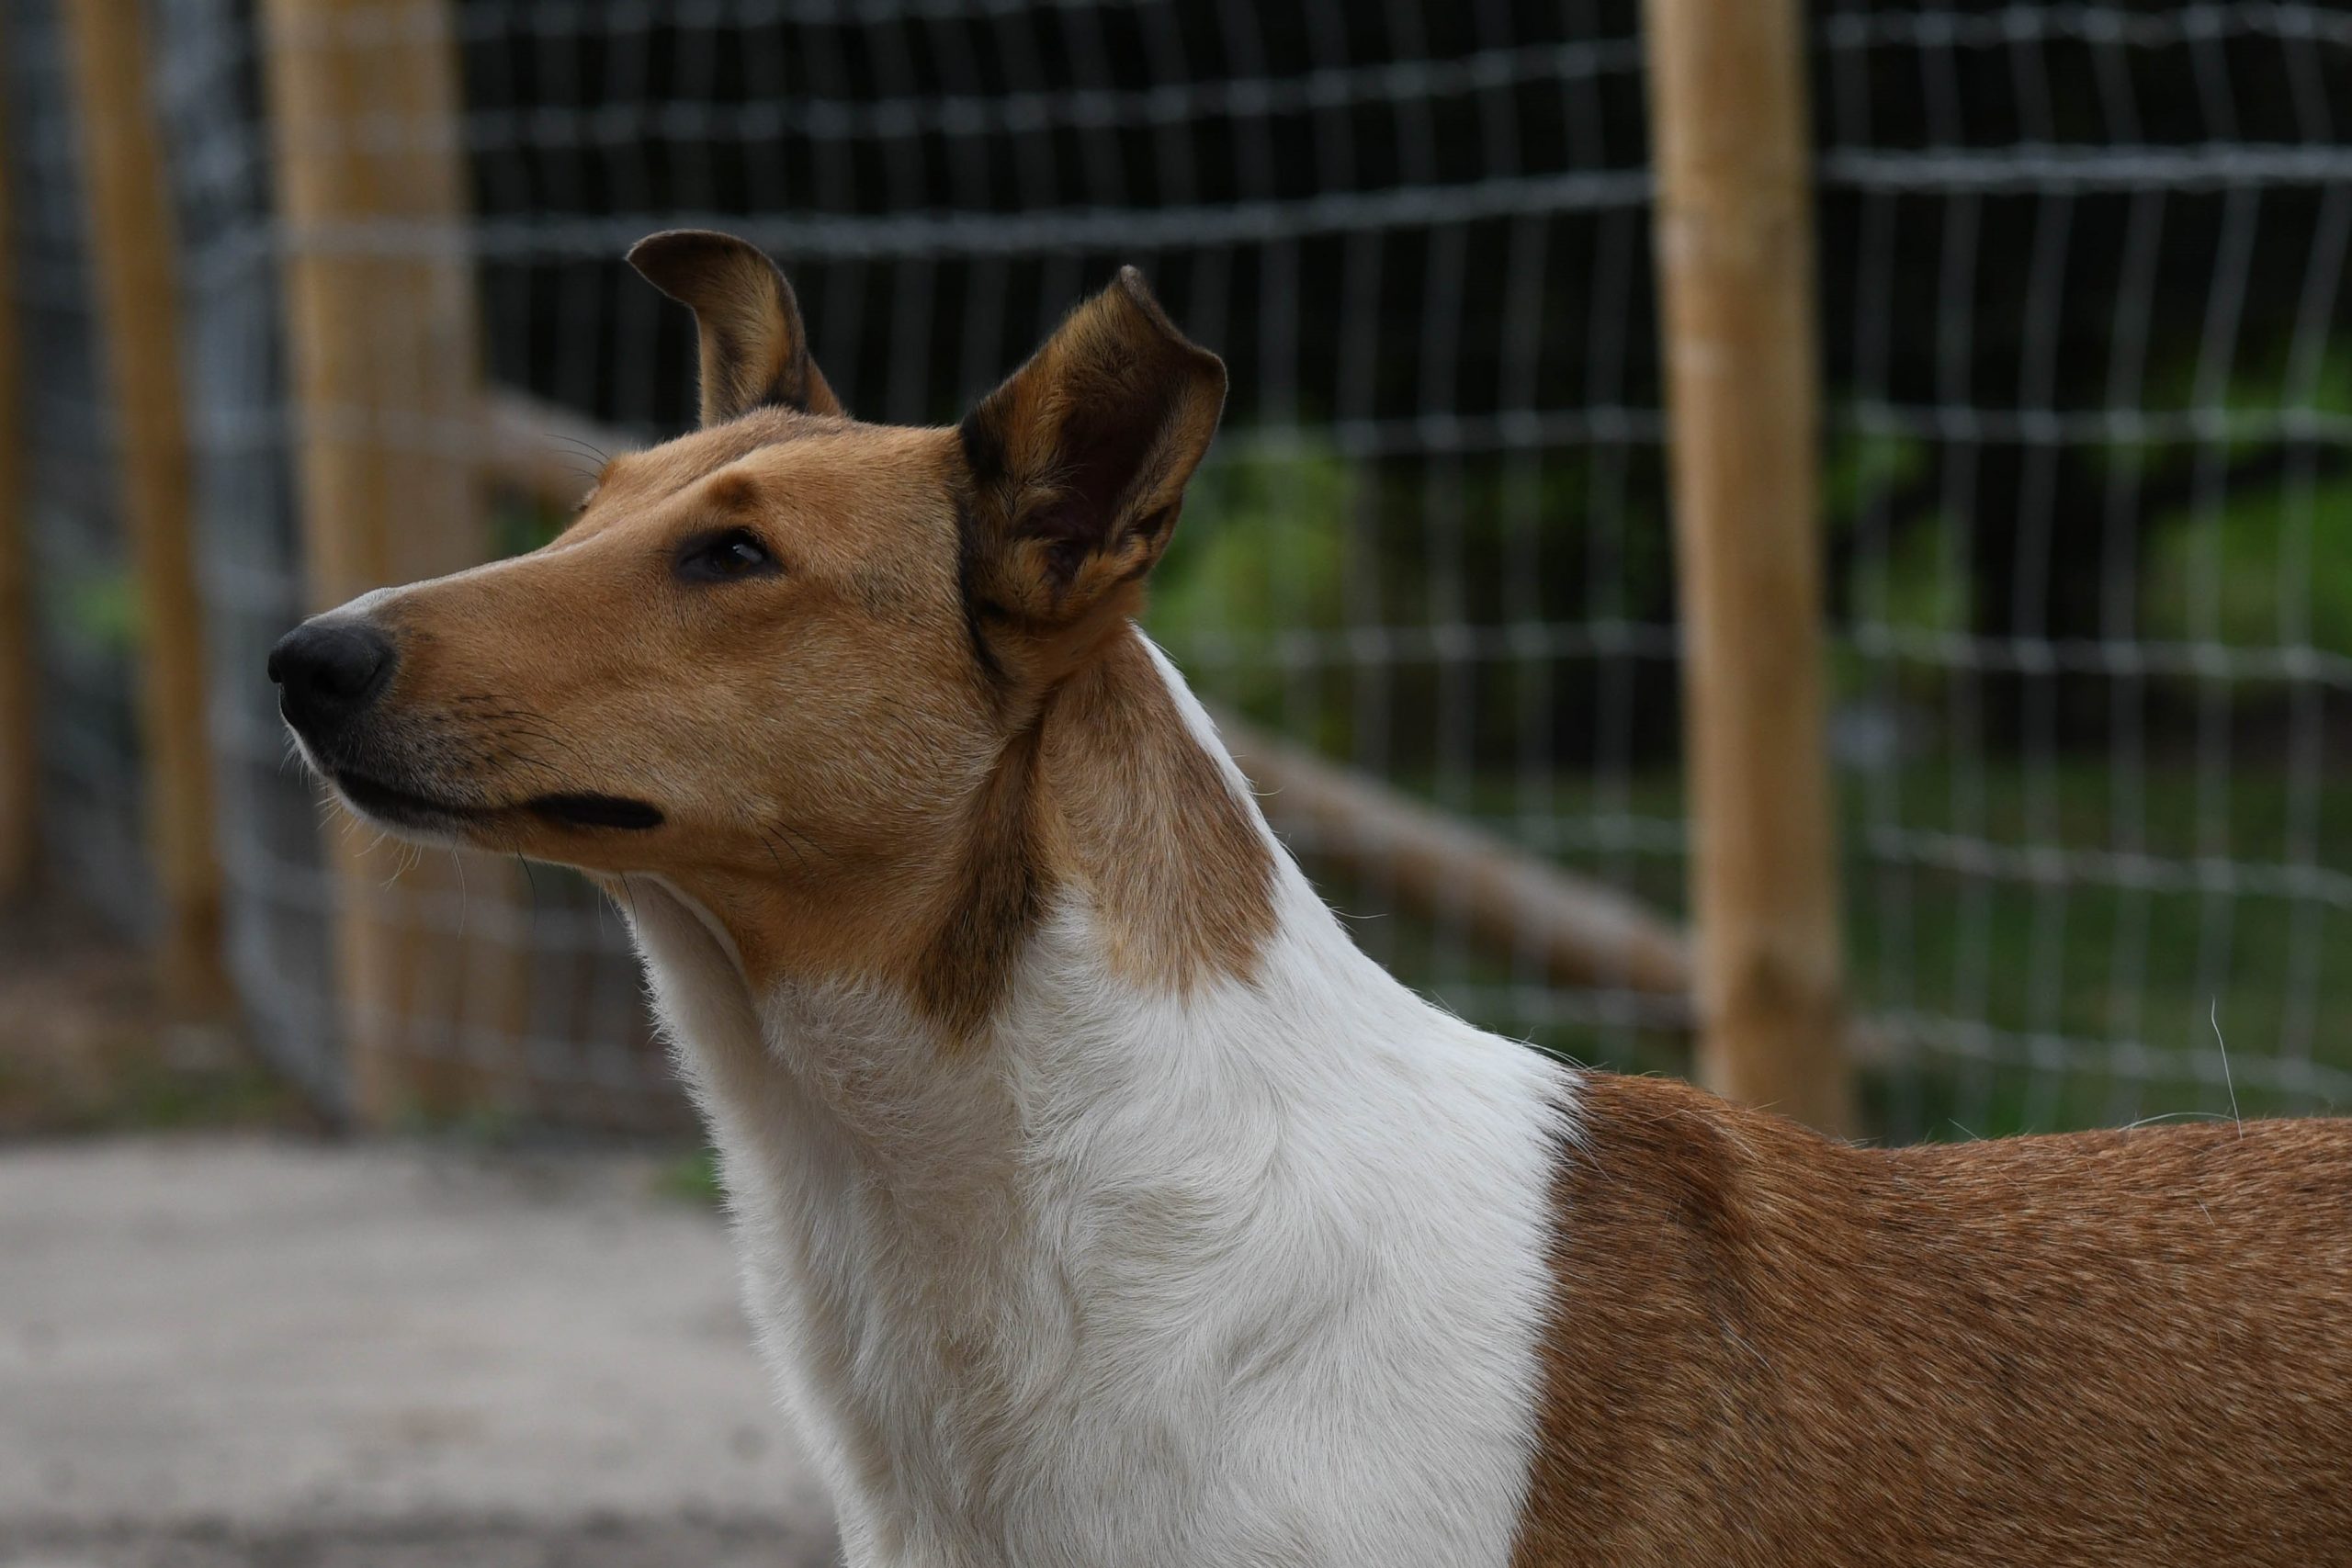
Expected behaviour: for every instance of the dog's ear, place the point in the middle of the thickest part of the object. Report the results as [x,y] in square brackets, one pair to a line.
[1078,463]
[755,348]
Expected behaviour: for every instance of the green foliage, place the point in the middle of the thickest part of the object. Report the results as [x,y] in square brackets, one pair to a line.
[2083,957]
[2247,406]
[1910,575]
[101,609]
[692,1179]
[1291,549]
[1262,553]
[518,526]
[2230,575]
[2078,957]
[2229,571]
[1919,583]
[1859,468]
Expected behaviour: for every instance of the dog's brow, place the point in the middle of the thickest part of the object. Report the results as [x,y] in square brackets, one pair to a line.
[732,490]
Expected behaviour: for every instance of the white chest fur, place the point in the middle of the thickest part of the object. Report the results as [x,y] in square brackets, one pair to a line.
[1254,1277]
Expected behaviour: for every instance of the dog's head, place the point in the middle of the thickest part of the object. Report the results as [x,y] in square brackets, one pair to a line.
[790,643]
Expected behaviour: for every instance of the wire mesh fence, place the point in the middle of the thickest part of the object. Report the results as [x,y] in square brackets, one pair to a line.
[2082,266]
[2085,472]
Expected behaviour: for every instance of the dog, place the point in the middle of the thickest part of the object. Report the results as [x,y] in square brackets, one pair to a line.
[1099,1203]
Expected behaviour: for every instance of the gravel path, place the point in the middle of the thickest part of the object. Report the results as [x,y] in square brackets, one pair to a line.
[222,1352]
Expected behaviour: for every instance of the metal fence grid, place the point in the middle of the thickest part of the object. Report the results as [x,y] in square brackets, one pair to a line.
[2085,461]
[2081,270]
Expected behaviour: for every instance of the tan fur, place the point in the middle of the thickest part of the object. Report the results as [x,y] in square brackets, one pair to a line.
[1185,895]
[858,779]
[2128,1348]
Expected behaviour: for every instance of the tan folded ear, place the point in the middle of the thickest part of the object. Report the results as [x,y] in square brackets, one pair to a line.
[1078,463]
[755,348]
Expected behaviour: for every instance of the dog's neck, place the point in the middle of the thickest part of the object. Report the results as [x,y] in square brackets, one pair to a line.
[1118,882]
[986,1270]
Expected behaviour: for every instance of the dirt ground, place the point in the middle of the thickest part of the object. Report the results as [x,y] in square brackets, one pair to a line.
[229,1339]
[599,1543]
[238,1350]
[84,1046]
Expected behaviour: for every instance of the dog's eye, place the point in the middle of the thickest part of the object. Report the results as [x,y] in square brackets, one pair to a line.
[722,557]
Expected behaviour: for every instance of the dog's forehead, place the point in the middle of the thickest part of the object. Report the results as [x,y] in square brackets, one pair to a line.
[670,467]
[857,493]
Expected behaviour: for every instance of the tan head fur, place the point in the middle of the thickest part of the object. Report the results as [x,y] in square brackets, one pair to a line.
[859,690]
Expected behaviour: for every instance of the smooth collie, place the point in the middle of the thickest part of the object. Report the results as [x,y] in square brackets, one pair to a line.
[1099,1204]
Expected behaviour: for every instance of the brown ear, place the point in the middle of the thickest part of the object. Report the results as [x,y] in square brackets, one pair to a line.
[754,349]
[1079,462]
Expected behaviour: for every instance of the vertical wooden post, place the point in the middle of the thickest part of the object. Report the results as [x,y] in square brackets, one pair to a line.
[1735,261]
[134,263]
[381,324]
[19,733]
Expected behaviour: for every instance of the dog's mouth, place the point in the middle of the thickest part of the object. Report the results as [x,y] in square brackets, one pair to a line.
[595,811]
[402,806]
[406,807]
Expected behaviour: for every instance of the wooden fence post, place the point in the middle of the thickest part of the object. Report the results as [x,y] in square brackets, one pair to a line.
[1735,262]
[134,261]
[19,732]
[380,322]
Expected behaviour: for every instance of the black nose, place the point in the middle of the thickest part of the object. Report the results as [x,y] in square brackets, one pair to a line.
[327,669]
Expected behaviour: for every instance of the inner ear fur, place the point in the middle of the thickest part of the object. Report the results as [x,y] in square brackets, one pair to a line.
[754,347]
[1078,463]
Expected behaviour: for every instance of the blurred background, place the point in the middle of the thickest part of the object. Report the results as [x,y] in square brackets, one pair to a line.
[306,296]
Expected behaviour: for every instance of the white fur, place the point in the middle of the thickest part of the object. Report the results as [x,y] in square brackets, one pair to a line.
[1257,1277]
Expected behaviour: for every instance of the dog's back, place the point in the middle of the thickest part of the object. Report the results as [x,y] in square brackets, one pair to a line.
[2109,1347]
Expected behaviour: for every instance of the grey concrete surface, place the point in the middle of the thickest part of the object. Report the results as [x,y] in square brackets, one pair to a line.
[272,1352]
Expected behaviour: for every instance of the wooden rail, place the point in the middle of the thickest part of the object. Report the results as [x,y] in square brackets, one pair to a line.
[1579,933]
[134,261]
[1735,263]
